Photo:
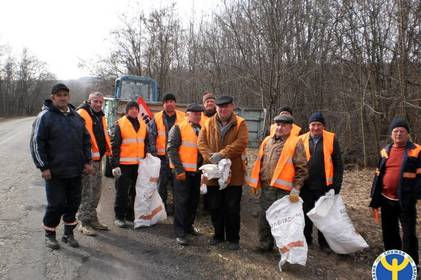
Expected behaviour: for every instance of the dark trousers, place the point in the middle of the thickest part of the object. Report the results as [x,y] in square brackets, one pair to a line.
[392,213]
[186,199]
[309,198]
[63,200]
[165,178]
[225,212]
[125,187]
[268,196]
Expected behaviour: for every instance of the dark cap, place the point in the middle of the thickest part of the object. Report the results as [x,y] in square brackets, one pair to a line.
[58,87]
[168,96]
[221,100]
[130,105]
[284,119]
[195,108]
[285,109]
[398,122]
[317,117]
[207,95]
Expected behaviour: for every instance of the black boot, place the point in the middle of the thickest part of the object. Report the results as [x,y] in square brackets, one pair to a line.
[51,241]
[68,236]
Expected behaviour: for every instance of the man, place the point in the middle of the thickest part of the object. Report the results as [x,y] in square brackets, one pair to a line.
[185,161]
[61,148]
[208,101]
[225,135]
[396,189]
[96,125]
[280,170]
[159,127]
[325,169]
[296,130]
[128,148]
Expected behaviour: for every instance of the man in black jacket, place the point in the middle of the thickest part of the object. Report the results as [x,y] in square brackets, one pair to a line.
[60,147]
[396,189]
[325,170]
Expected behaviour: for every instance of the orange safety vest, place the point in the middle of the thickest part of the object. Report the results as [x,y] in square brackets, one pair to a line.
[161,139]
[90,127]
[132,148]
[188,148]
[294,131]
[328,138]
[203,120]
[283,177]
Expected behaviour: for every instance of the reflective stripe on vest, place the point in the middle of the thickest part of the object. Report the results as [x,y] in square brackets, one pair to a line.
[132,149]
[284,174]
[161,139]
[328,138]
[188,148]
[90,128]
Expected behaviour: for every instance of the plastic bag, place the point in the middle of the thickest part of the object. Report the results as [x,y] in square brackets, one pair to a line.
[330,217]
[286,220]
[220,171]
[148,207]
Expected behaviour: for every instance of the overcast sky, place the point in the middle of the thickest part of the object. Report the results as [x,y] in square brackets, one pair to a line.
[61,33]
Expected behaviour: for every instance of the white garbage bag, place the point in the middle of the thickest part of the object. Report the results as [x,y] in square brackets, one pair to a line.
[330,217]
[148,206]
[220,171]
[286,220]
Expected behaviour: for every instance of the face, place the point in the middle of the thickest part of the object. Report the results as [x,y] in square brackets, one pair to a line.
[194,117]
[61,99]
[169,106]
[316,128]
[96,103]
[400,136]
[225,111]
[133,112]
[283,129]
[209,104]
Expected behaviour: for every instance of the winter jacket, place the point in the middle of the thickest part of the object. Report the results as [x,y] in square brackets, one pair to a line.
[230,141]
[409,188]
[60,142]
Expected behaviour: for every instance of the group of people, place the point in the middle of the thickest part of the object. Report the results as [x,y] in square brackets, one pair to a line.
[67,145]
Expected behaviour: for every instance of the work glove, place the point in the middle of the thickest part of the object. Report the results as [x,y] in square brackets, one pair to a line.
[256,191]
[181,176]
[294,195]
[116,172]
[215,158]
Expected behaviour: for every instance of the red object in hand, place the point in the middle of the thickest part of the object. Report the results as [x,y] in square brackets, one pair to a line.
[376,215]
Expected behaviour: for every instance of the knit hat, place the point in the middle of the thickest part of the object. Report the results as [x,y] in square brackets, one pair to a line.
[207,95]
[168,96]
[317,117]
[285,109]
[131,104]
[398,122]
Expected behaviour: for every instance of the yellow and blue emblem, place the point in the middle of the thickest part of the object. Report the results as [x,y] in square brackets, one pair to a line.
[394,265]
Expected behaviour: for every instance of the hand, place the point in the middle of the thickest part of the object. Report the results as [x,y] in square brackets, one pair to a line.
[376,215]
[88,169]
[334,188]
[215,158]
[46,174]
[256,191]
[181,176]
[116,172]
[294,195]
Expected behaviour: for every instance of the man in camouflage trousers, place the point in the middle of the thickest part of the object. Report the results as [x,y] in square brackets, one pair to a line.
[95,123]
[271,179]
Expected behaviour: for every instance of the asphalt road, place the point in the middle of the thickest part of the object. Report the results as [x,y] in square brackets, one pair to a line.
[116,254]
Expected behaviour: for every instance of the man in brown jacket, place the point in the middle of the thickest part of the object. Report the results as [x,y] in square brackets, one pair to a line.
[225,135]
